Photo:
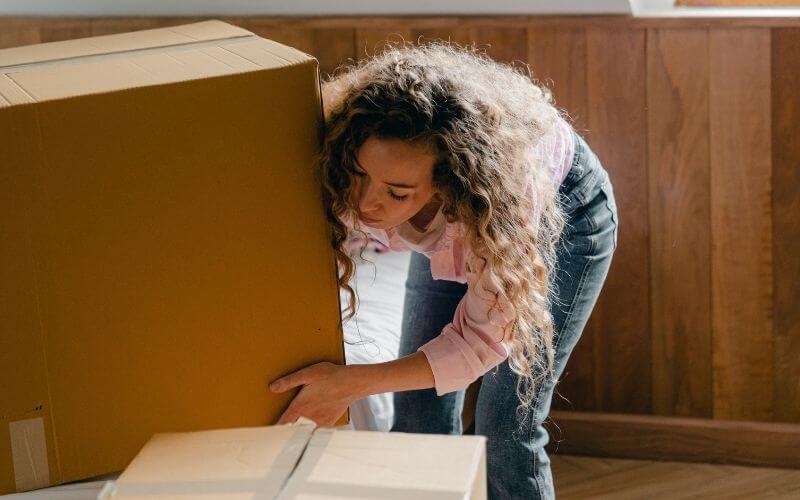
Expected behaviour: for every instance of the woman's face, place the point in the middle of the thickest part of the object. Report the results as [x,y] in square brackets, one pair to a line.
[393,181]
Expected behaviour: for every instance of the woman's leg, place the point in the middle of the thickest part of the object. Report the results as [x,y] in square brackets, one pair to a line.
[429,306]
[517,464]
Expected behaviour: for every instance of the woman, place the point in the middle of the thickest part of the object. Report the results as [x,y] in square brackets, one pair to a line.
[440,150]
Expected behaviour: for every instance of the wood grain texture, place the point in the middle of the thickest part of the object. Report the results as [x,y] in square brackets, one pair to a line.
[452,32]
[371,41]
[17,34]
[679,206]
[448,22]
[738,3]
[653,437]
[620,324]
[557,60]
[505,45]
[577,477]
[333,47]
[299,39]
[741,223]
[54,30]
[786,220]
[111,25]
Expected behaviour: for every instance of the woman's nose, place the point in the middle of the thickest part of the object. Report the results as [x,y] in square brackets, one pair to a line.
[369,197]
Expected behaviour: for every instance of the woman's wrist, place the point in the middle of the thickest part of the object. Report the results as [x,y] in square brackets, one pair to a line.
[411,372]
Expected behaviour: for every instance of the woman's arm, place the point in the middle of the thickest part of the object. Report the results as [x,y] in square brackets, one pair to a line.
[408,373]
[328,388]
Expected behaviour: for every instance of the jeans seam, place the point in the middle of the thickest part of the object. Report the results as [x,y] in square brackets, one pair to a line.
[612,211]
[568,316]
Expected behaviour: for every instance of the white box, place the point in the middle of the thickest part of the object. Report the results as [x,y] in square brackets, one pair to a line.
[299,461]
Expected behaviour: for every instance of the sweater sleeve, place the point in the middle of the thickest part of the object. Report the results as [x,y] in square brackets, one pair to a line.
[473,343]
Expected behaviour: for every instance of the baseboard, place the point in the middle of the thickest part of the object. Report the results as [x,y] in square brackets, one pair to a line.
[651,437]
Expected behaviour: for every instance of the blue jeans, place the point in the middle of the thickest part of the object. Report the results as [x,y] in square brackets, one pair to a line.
[517,463]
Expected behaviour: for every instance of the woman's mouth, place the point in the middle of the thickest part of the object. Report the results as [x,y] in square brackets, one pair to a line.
[367,219]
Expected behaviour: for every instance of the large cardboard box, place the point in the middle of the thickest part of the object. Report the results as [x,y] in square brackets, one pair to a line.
[297,461]
[163,249]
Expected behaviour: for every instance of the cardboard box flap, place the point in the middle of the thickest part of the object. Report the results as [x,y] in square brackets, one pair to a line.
[364,464]
[247,462]
[121,42]
[162,65]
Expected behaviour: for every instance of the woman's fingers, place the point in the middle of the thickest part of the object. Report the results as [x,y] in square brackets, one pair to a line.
[300,377]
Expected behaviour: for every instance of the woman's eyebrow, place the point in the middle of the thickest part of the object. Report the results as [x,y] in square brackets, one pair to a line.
[393,184]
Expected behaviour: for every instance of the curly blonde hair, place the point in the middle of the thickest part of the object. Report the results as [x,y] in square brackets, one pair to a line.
[482,118]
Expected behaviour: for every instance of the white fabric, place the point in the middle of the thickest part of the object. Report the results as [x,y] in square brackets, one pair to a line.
[380,285]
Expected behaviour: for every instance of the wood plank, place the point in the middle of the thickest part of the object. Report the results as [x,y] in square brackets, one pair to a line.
[738,3]
[54,30]
[522,21]
[371,41]
[679,206]
[768,444]
[111,25]
[785,220]
[557,59]
[592,477]
[741,227]
[617,120]
[333,47]
[505,45]
[453,32]
[17,33]
[300,39]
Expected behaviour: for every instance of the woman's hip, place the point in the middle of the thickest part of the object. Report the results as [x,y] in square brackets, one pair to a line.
[587,198]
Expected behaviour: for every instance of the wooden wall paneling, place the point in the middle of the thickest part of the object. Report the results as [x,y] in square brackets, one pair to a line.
[620,325]
[300,39]
[18,32]
[786,220]
[455,32]
[54,30]
[679,207]
[333,47]
[501,44]
[111,25]
[654,437]
[741,223]
[557,59]
[371,41]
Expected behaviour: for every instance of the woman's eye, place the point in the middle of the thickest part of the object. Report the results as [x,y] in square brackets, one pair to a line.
[398,197]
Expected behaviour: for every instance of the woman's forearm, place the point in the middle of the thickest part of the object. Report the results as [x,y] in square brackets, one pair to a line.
[408,373]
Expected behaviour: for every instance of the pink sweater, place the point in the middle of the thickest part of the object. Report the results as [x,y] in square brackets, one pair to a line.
[471,344]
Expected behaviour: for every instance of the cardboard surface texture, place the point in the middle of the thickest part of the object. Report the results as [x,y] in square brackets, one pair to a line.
[299,461]
[164,253]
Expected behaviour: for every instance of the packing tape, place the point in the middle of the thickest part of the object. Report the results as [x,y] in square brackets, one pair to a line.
[266,487]
[29,454]
[286,461]
[219,42]
[298,483]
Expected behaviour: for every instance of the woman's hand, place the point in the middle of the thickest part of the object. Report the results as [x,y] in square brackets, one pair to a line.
[328,389]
